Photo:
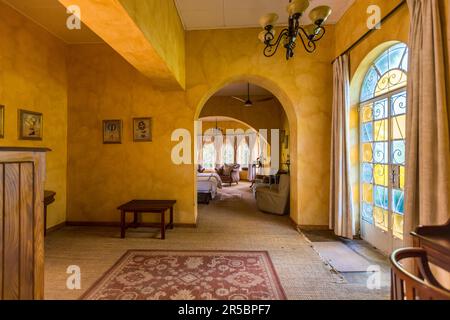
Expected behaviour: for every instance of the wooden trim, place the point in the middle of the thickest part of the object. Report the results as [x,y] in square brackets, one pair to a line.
[116,224]
[314,227]
[24,149]
[56,227]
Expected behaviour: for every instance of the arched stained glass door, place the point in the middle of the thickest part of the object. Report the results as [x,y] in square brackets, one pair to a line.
[382,148]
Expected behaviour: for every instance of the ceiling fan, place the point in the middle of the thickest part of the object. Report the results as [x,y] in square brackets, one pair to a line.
[248,102]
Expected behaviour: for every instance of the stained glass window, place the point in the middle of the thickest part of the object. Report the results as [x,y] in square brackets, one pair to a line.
[382,137]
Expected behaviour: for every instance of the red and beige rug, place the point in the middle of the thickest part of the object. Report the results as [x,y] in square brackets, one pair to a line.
[189,275]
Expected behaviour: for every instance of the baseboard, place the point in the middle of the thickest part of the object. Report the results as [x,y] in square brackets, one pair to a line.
[309,227]
[116,224]
[314,227]
[56,228]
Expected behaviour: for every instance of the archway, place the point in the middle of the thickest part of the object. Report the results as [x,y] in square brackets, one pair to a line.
[289,110]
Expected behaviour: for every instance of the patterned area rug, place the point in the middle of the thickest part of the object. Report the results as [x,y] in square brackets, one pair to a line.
[189,275]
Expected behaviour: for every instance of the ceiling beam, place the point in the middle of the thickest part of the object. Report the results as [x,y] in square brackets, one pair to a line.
[111,22]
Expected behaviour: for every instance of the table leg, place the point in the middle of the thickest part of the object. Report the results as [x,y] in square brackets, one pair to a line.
[171,218]
[163,225]
[136,219]
[122,224]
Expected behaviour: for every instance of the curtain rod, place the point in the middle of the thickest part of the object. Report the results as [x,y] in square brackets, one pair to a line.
[365,35]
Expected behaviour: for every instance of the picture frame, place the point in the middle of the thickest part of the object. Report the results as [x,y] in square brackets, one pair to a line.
[2,121]
[142,129]
[31,125]
[112,131]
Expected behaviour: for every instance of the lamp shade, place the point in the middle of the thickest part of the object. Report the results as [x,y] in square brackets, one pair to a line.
[262,35]
[320,14]
[297,7]
[268,20]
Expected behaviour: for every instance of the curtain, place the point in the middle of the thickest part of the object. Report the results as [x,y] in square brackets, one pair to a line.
[427,151]
[341,209]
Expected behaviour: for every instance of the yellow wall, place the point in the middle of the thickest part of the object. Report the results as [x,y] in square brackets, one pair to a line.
[161,24]
[104,86]
[33,77]
[160,62]
[302,85]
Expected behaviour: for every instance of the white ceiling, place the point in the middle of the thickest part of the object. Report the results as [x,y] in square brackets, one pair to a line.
[241,88]
[221,14]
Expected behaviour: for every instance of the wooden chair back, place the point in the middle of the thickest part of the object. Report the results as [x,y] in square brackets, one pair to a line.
[407,286]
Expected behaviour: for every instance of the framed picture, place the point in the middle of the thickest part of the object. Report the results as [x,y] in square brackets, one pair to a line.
[2,122]
[142,129]
[30,125]
[112,131]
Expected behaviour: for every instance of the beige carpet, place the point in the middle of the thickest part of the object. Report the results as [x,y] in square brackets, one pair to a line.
[223,225]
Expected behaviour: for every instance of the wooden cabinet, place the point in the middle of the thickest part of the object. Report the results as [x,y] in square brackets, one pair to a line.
[22,175]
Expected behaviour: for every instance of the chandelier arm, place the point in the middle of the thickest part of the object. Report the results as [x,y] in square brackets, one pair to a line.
[310,47]
[271,48]
[322,33]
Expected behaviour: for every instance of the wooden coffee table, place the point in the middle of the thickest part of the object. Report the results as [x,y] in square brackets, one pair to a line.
[138,207]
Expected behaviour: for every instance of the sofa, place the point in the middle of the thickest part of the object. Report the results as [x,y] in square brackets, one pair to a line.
[275,198]
[229,173]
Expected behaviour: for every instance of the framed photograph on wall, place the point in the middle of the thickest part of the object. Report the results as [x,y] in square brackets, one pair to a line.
[112,131]
[142,129]
[2,122]
[30,125]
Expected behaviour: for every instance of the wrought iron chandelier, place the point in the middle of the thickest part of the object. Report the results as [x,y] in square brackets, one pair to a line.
[309,35]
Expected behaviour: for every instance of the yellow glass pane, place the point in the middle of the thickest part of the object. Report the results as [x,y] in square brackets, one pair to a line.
[367,113]
[397,228]
[381,218]
[391,80]
[380,130]
[381,174]
[368,193]
[402,178]
[399,127]
[367,152]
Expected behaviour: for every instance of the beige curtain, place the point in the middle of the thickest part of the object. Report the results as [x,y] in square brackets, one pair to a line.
[341,212]
[428,152]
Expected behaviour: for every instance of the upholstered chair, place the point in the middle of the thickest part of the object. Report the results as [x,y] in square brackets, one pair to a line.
[274,199]
[229,173]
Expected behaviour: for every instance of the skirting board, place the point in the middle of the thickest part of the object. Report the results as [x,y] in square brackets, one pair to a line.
[117,224]
[56,228]
[310,227]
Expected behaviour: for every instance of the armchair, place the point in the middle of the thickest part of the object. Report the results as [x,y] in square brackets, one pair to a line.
[274,199]
[229,173]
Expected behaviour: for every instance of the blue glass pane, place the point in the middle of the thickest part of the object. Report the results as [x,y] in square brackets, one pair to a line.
[369,84]
[367,172]
[405,62]
[367,132]
[367,213]
[395,55]
[380,110]
[398,104]
[380,152]
[398,201]
[398,152]
[382,63]
[381,197]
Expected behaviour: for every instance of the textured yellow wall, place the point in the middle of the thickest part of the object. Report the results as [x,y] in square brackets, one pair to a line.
[104,86]
[33,77]
[302,85]
[112,22]
[353,23]
[161,24]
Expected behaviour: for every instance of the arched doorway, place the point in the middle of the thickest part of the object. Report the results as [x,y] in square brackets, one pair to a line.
[289,138]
